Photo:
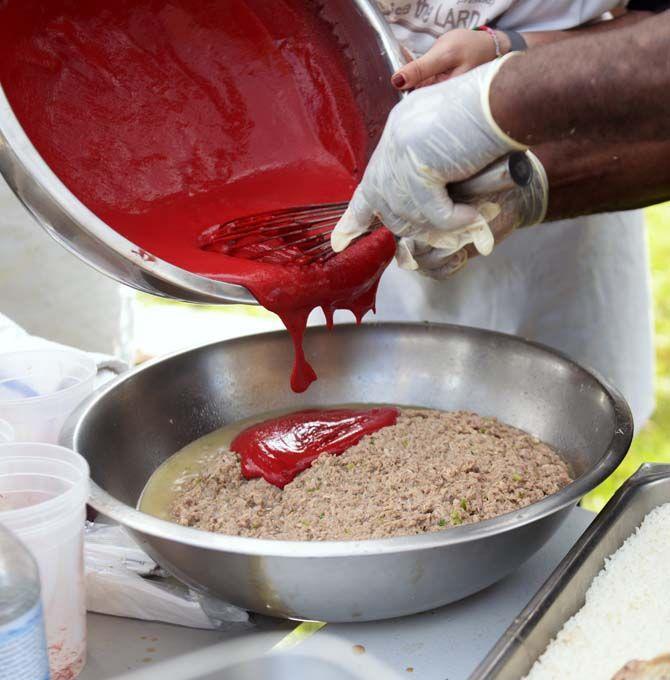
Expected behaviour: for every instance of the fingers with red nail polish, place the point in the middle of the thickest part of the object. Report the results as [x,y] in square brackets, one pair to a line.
[453,54]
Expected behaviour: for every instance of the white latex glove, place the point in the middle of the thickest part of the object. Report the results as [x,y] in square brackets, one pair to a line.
[504,212]
[437,135]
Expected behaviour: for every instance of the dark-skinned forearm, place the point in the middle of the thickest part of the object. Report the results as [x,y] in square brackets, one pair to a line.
[586,178]
[609,87]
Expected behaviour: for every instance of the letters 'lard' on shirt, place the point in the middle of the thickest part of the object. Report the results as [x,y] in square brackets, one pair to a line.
[417,23]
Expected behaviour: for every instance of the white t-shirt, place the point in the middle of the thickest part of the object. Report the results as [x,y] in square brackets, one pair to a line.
[417,23]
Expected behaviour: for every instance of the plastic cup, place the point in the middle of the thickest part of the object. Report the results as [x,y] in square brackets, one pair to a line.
[6,432]
[43,493]
[40,388]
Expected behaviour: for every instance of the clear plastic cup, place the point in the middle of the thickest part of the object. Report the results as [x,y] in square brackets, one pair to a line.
[6,432]
[43,493]
[40,388]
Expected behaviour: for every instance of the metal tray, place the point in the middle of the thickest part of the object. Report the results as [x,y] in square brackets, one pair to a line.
[563,594]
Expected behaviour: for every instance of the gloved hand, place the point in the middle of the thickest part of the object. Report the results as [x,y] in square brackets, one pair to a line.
[437,135]
[504,212]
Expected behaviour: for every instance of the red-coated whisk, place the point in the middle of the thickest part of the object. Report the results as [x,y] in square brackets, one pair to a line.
[301,235]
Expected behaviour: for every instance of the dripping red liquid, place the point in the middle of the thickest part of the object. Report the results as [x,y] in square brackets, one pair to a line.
[167,116]
[278,449]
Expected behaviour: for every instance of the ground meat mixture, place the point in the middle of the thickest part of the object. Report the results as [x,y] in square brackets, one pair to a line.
[430,471]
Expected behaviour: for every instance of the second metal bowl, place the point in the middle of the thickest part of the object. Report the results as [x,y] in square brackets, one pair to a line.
[132,426]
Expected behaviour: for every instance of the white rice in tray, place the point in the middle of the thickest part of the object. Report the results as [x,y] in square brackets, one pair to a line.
[627,611]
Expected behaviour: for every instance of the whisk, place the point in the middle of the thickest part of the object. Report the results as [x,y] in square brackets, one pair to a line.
[301,235]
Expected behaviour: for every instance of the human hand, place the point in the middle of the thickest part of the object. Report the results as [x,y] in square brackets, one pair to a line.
[452,54]
[521,206]
[436,136]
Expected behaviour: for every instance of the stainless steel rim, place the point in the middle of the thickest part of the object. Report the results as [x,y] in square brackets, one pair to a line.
[392,50]
[571,494]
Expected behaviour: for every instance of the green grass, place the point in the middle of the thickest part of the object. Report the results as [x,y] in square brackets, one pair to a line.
[652,444]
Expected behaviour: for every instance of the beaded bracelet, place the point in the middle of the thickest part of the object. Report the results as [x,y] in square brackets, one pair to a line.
[494,37]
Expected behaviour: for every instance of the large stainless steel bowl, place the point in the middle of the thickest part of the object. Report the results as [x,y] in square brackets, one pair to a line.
[133,425]
[374,53]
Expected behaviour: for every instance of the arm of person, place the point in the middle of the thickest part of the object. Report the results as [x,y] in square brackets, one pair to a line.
[586,178]
[461,50]
[598,122]
[537,38]
[616,91]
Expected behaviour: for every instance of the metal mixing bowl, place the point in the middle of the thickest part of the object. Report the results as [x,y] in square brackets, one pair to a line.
[374,54]
[127,430]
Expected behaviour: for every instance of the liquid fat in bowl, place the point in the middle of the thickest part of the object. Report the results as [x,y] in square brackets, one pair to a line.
[170,477]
